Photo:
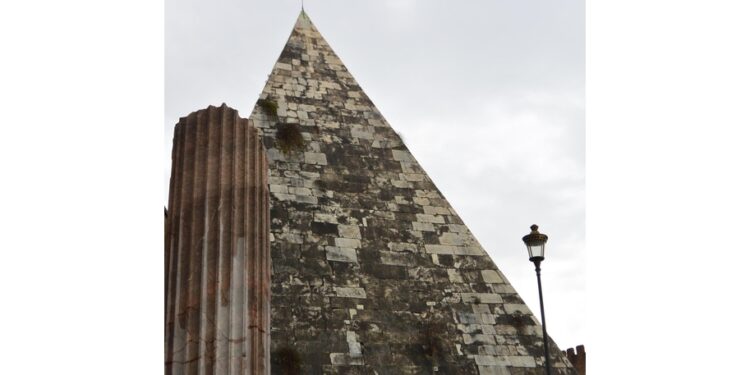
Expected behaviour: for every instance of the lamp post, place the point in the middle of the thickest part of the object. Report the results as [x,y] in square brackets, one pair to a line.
[535,242]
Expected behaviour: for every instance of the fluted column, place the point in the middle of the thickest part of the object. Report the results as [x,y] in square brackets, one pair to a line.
[217,313]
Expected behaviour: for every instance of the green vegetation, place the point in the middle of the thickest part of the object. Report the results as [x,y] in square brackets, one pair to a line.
[289,138]
[269,106]
[518,321]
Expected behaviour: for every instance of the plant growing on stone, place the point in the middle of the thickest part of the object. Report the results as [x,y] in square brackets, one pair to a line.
[320,184]
[269,106]
[518,321]
[289,138]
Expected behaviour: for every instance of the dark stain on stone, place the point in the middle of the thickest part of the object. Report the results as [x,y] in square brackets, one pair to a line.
[286,361]
[324,228]
[385,271]
[446,260]
[430,238]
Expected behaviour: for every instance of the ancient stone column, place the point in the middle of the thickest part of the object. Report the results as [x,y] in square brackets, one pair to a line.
[217,313]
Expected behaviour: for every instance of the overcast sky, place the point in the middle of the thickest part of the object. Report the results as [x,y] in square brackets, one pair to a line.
[488,96]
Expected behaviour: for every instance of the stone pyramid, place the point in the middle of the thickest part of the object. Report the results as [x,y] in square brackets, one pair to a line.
[373,272]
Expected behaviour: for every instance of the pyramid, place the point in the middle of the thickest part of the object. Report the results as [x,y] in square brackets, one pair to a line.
[373,272]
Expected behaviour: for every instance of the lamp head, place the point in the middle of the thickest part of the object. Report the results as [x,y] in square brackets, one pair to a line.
[535,242]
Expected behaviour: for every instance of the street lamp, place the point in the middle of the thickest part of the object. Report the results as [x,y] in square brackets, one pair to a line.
[535,242]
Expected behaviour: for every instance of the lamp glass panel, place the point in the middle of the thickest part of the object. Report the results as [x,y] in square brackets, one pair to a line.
[536,250]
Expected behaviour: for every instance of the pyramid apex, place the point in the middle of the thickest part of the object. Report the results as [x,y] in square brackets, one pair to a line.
[303,21]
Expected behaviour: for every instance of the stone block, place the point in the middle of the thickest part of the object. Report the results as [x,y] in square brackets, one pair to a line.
[349,231]
[469,250]
[488,350]
[512,308]
[325,218]
[502,288]
[432,210]
[401,184]
[479,339]
[457,228]
[315,158]
[300,191]
[344,359]
[489,329]
[492,277]
[395,258]
[468,318]
[400,155]
[361,133]
[348,242]
[481,309]
[350,292]
[449,238]
[424,218]
[402,247]
[283,197]
[489,360]
[481,298]
[522,361]
[341,254]
[305,199]
[412,177]
[424,227]
[421,201]
[454,276]
[279,189]
[440,249]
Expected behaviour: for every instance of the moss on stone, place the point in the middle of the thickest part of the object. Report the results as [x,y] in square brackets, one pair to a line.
[289,138]
[269,106]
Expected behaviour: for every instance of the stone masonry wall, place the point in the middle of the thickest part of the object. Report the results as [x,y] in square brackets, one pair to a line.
[373,271]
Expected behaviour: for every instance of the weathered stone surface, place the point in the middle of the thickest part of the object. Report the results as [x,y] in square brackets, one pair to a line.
[217,313]
[341,254]
[373,271]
